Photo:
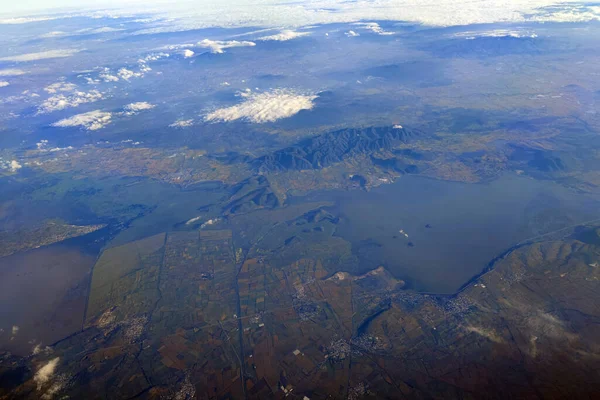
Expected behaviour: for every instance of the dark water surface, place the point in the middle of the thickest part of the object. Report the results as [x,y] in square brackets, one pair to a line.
[42,295]
[454,229]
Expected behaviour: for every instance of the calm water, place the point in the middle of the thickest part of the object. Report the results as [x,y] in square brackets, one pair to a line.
[453,229]
[42,296]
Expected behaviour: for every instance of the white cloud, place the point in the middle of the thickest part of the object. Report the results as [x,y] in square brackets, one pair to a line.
[44,374]
[182,123]
[496,33]
[352,34]
[264,107]
[4,84]
[12,166]
[61,101]
[106,76]
[154,57]
[285,35]
[85,31]
[104,29]
[187,53]
[179,16]
[217,46]
[90,121]
[127,74]
[15,328]
[123,73]
[43,55]
[60,87]
[134,108]
[23,20]
[12,72]
[375,28]
[53,34]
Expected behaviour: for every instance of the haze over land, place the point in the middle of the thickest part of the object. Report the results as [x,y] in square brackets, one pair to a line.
[319,199]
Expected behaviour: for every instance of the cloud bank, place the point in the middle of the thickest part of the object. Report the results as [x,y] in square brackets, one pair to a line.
[182,15]
[90,121]
[264,107]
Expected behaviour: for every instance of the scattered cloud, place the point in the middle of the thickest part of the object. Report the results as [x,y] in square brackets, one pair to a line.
[217,46]
[43,55]
[61,101]
[107,76]
[352,34]
[182,123]
[12,166]
[127,74]
[264,107]
[134,108]
[375,28]
[38,349]
[285,35]
[4,84]
[60,87]
[154,57]
[12,72]
[187,53]
[90,121]
[123,73]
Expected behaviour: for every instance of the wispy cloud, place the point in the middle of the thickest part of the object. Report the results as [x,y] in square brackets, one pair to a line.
[352,34]
[285,35]
[497,33]
[43,55]
[217,46]
[182,123]
[12,72]
[81,32]
[24,20]
[264,107]
[4,84]
[90,121]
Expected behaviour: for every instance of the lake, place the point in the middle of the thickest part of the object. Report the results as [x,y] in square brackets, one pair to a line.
[436,235]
